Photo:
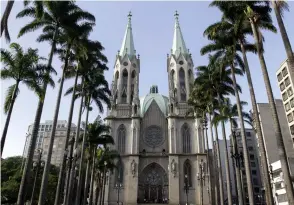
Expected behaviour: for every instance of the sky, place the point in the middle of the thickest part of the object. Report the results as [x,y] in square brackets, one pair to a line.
[153,25]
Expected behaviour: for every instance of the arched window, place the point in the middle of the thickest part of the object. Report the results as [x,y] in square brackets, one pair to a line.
[186,139]
[119,173]
[121,139]
[133,85]
[172,79]
[116,78]
[124,86]
[188,172]
[182,85]
[191,78]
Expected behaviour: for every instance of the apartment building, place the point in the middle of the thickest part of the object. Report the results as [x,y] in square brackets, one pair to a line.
[285,81]
[254,165]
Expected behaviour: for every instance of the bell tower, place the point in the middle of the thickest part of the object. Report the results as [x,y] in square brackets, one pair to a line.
[179,68]
[125,84]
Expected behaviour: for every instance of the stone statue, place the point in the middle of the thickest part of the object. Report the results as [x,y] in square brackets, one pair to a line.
[173,167]
[133,168]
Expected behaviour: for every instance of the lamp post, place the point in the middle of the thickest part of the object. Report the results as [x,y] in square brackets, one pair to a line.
[186,186]
[36,166]
[118,187]
[201,179]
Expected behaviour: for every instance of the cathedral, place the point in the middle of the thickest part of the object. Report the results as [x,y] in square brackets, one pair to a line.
[163,157]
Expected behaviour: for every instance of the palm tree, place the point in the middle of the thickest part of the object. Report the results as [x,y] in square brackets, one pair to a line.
[73,37]
[98,134]
[229,113]
[214,83]
[23,67]
[93,54]
[225,50]
[94,88]
[236,26]
[279,7]
[51,16]
[256,16]
[4,20]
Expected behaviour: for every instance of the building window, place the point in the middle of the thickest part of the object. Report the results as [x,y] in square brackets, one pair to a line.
[182,85]
[290,117]
[282,86]
[284,71]
[121,139]
[282,198]
[276,174]
[188,172]
[278,185]
[254,172]
[292,102]
[256,189]
[253,164]
[252,157]
[124,86]
[290,91]
[250,148]
[287,81]
[280,77]
[248,134]
[186,139]
[285,96]
[287,107]
[255,181]
[292,129]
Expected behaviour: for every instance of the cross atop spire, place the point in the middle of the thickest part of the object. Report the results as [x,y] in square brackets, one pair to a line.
[179,45]
[127,46]
[176,15]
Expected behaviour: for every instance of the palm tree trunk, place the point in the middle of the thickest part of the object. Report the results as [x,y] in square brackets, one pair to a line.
[4,20]
[285,38]
[3,138]
[237,168]
[220,173]
[92,178]
[86,182]
[244,141]
[215,163]
[227,166]
[278,133]
[96,195]
[43,189]
[76,142]
[79,187]
[208,163]
[63,163]
[32,145]
[262,151]
[104,182]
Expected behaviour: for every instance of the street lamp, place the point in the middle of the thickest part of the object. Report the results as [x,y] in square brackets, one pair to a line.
[201,179]
[118,187]
[36,166]
[186,188]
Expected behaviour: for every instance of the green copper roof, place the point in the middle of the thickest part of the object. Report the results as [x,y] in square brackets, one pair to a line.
[179,45]
[161,101]
[127,46]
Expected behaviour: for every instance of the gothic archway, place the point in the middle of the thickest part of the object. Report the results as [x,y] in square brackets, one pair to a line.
[153,185]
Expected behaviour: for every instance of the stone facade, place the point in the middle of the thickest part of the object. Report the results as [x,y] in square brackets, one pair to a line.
[161,148]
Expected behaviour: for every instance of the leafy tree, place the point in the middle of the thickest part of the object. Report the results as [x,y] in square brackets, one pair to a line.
[11,179]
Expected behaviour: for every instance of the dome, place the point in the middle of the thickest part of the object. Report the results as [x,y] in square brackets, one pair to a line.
[161,100]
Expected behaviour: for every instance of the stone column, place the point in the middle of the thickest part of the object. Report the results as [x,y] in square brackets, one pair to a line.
[135,135]
[131,180]
[173,180]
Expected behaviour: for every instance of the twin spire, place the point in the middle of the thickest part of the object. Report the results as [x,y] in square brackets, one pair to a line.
[178,46]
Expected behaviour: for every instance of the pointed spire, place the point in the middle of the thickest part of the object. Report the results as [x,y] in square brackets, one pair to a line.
[127,46]
[179,45]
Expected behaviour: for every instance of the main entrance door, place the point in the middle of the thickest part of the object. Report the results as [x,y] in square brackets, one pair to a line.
[153,185]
